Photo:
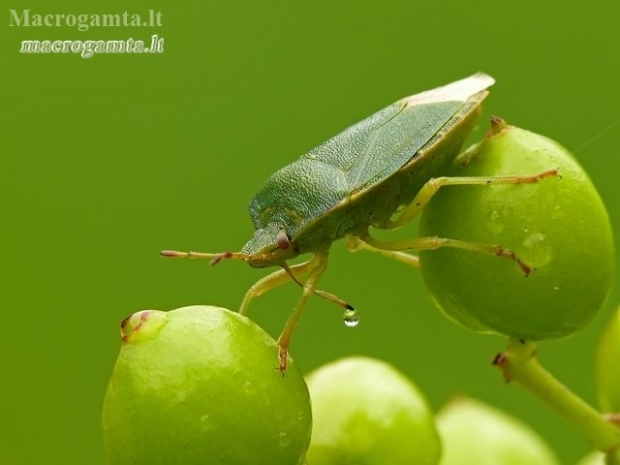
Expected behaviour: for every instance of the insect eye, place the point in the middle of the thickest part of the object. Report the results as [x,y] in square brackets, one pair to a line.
[283,240]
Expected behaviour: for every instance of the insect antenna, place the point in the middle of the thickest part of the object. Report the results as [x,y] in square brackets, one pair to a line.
[214,257]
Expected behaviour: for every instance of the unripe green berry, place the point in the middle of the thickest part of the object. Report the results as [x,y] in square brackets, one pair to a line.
[366,412]
[593,458]
[473,433]
[198,385]
[559,227]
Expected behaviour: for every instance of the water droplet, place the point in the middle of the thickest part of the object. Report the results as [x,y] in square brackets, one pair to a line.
[285,440]
[351,318]
[248,387]
[495,223]
[538,251]
[205,422]
[533,240]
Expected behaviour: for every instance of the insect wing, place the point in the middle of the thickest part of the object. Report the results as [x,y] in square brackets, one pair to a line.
[377,147]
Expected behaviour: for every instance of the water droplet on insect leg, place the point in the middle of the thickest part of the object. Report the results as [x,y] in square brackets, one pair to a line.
[351,318]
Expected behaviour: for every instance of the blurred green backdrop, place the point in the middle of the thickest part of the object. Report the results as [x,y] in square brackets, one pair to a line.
[107,160]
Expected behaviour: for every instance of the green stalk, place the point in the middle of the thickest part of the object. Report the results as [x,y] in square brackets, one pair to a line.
[519,364]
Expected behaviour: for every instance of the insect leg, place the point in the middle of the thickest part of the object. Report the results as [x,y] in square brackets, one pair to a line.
[277,278]
[318,264]
[355,244]
[431,243]
[325,295]
[432,186]
[271,281]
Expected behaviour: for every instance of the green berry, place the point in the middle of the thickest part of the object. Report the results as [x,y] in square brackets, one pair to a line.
[593,458]
[473,433]
[608,366]
[199,385]
[559,227]
[366,412]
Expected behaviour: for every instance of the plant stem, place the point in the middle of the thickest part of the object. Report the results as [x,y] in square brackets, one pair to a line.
[519,364]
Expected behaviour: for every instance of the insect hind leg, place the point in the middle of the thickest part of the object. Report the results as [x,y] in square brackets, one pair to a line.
[432,243]
[429,189]
[355,244]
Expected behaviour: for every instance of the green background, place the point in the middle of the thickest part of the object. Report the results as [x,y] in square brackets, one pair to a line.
[105,161]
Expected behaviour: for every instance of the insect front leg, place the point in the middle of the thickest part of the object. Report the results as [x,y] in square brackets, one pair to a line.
[271,281]
[277,278]
[317,265]
[432,186]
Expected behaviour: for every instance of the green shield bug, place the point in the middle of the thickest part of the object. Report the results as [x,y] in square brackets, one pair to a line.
[378,173]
